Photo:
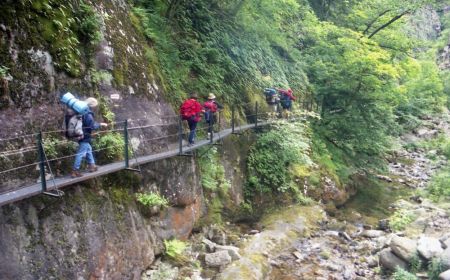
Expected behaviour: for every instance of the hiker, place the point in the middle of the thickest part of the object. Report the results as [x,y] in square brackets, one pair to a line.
[84,144]
[191,111]
[211,106]
[272,99]
[286,98]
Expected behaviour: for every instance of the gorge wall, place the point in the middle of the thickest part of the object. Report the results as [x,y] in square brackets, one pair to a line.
[96,230]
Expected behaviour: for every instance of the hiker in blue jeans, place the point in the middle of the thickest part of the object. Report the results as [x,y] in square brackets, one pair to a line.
[85,148]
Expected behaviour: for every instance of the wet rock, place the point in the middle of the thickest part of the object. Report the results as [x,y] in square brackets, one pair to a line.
[232,251]
[254,231]
[344,235]
[384,178]
[429,247]
[372,261]
[383,224]
[445,275]
[372,233]
[210,246]
[390,261]
[403,247]
[445,258]
[217,259]
[217,235]
[445,240]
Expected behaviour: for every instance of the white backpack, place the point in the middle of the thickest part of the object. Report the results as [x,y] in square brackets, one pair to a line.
[73,125]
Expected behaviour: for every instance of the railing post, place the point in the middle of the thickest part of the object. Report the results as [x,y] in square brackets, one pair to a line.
[41,161]
[180,135]
[125,138]
[211,128]
[256,114]
[232,119]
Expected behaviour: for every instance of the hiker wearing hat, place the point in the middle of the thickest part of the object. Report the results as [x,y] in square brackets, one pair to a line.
[211,107]
[84,144]
[191,111]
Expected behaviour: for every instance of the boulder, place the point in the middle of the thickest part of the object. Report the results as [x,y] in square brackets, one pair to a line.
[372,233]
[390,261]
[429,247]
[445,258]
[217,259]
[445,275]
[232,251]
[403,247]
[210,246]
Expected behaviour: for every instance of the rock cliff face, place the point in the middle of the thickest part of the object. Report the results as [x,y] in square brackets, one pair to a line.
[95,231]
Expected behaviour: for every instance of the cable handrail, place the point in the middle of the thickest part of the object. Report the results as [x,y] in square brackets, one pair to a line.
[183,131]
[19,167]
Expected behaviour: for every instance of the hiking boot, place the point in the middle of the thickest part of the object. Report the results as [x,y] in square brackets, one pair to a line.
[92,168]
[75,174]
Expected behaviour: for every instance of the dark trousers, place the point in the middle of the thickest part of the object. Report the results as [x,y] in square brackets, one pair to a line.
[192,126]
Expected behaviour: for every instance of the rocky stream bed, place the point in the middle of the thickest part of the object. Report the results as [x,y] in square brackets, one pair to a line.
[354,242]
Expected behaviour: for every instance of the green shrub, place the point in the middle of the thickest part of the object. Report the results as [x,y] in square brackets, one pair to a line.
[3,71]
[401,219]
[401,274]
[89,24]
[415,263]
[111,145]
[439,187]
[174,249]
[434,269]
[152,199]
[212,171]
[271,157]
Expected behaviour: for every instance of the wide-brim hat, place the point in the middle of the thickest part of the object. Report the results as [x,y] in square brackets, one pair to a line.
[211,96]
[193,95]
[91,102]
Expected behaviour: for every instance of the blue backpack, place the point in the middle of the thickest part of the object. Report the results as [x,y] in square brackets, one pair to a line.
[271,95]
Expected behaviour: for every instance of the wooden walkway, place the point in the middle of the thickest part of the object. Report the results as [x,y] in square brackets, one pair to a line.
[54,184]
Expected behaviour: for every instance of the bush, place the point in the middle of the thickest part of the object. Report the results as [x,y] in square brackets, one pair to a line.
[401,274]
[212,171]
[152,199]
[434,269]
[111,146]
[401,219]
[174,250]
[439,187]
[271,157]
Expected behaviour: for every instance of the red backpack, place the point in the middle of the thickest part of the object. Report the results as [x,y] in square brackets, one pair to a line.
[189,109]
[210,106]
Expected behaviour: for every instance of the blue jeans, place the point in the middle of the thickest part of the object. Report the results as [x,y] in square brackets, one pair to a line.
[84,150]
[192,126]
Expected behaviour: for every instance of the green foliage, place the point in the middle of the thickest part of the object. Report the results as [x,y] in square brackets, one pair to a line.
[401,219]
[101,77]
[111,145]
[89,24]
[439,187]
[212,171]
[3,71]
[55,147]
[435,268]
[174,248]
[152,199]
[401,274]
[415,263]
[272,155]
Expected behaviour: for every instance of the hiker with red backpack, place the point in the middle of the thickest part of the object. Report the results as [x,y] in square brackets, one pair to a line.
[191,111]
[211,107]
[286,98]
